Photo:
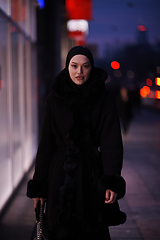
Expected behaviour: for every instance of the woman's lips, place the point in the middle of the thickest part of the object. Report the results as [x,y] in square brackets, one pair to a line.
[80,77]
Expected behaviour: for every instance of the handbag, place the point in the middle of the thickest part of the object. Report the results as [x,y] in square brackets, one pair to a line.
[39,219]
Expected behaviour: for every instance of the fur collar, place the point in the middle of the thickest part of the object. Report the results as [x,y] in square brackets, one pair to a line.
[93,89]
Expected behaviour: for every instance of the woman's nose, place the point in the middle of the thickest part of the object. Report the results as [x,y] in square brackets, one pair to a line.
[80,70]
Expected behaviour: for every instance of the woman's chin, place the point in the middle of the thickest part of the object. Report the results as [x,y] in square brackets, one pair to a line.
[79,81]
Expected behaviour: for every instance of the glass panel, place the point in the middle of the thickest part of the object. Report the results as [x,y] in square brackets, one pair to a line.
[34,94]
[25,86]
[17,15]
[17,151]
[5,6]
[23,12]
[5,164]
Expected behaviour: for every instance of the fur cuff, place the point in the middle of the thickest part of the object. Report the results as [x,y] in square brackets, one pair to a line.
[113,182]
[113,215]
[36,189]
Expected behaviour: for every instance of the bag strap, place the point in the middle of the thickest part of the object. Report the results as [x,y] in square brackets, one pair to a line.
[39,218]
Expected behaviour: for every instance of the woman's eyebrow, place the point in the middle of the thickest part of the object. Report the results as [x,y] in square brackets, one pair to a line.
[77,63]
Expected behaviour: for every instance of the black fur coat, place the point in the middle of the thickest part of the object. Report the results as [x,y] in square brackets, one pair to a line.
[79,156]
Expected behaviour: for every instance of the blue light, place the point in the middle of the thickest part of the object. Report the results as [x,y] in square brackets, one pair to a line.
[41,3]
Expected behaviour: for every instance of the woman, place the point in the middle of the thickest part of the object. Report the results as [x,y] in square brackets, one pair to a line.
[79,158]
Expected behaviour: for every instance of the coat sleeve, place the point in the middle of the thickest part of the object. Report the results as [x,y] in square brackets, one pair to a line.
[37,187]
[111,150]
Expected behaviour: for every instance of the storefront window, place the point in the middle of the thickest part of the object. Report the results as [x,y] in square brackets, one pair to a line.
[16,108]
[5,163]
[16,132]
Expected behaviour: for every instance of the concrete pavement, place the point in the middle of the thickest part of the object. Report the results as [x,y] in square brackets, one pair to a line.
[142,173]
[18,221]
[141,203]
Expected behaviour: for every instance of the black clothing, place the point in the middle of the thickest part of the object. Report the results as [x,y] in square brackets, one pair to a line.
[79,157]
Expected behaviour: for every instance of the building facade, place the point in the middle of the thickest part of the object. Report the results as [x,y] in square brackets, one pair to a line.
[18,93]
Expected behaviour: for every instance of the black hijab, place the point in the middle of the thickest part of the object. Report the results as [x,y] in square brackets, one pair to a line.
[76,51]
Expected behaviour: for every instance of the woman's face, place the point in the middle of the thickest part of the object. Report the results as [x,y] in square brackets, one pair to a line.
[79,69]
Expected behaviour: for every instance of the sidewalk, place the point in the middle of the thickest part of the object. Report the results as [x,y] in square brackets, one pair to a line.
[142,201]
[142,173]
[18,221]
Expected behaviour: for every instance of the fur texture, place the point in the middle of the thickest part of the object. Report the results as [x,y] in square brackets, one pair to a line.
[37,189]
[113,182]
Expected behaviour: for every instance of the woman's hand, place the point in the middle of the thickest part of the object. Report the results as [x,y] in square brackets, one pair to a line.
[36,201]
[110,196]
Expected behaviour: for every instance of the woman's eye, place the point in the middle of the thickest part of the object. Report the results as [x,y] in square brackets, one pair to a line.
[86,66]
[74,66]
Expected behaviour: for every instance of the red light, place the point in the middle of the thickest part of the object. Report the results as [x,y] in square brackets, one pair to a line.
[76,34]
[144,91]
[141,28]
[115,65]
[147,89]
[13,29]
[158,94]
[79,9]
[149,82]
[1,84]
[151,94]
[15,8]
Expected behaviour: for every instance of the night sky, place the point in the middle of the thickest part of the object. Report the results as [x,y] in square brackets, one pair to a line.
[115,21]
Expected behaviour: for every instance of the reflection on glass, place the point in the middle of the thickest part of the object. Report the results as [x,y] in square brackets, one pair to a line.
[5,167]
[17,148]
[18,12]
